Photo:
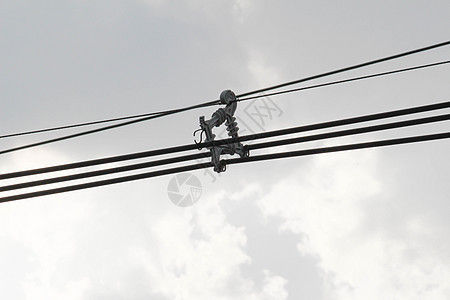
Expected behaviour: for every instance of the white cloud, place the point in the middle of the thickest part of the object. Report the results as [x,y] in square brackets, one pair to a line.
[326,203]
[274,287]
[264,74]
[199,255]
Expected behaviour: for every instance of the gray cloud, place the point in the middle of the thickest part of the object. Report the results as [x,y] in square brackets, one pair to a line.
[261,230]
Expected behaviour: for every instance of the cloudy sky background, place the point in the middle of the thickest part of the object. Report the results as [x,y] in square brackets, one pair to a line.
[368,224]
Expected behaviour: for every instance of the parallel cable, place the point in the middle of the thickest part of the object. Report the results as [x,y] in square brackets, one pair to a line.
[376,61]
[242,99]
[78,125]
[152,116]
[303,139]
[346,80]
[375,144]
[380,143]
[109,171]
[348,132]
[304,128]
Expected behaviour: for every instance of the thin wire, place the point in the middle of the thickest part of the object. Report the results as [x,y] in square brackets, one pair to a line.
[348,147]
[166,113]
[242,99]
[239,96]
[346,80]
[77,125]
[345,69]
[304,128]
[317,137]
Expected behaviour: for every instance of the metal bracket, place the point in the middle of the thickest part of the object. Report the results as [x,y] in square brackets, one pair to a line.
[218,118]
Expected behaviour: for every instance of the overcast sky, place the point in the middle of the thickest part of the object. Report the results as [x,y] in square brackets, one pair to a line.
[367,224]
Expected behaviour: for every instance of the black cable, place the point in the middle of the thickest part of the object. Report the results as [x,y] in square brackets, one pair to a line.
[166,113]
[382,143]
[217,101]
[243,99]
[374,144]
[109,171]
[106,182]
[346,80]
[78,125]
[324,125]
[349,132]
[345,69]
[208,154]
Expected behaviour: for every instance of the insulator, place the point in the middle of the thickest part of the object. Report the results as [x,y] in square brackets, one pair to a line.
[220,114]
[232,127]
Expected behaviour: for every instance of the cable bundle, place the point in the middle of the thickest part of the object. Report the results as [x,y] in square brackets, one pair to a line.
[258,136]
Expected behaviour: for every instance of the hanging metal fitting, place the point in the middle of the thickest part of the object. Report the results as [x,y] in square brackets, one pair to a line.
[218,118]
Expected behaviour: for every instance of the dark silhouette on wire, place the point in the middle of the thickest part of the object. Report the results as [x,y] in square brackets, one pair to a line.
[215,102]
[212,102]
[166,113]
[299,129]
[297,140]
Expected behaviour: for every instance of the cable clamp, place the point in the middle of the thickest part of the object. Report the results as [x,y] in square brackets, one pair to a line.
[220,116]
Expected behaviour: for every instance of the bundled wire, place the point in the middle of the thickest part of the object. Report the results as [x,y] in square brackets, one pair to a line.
[381,143]
[277,133]
[297,140]
[242,97]
[170,150]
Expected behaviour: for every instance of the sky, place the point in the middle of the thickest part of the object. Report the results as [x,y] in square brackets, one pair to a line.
[366,224]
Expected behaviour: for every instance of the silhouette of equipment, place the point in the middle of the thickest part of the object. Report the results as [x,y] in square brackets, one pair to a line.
[220,116]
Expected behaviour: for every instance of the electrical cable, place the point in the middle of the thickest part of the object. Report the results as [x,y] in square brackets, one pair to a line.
[243,99]
[109,171]
[376,61]
[380,143]
[346,80]
[77,125]
[304,128]
[215,102]
[303,139]
[374,144]
[348,132]
[166,113]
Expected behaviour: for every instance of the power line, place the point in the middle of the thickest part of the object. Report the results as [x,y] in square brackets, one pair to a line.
[77,125]
[381,143]
[349,132]
[346,80]
[299,129]
[375,144]
[106,182]
[105,171]
[358,66]
[166,113]
[303,139]
[215,102]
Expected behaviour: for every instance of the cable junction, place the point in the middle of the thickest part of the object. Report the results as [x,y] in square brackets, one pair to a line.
[232,145]
[262,135]
[303,139]
[229,146]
